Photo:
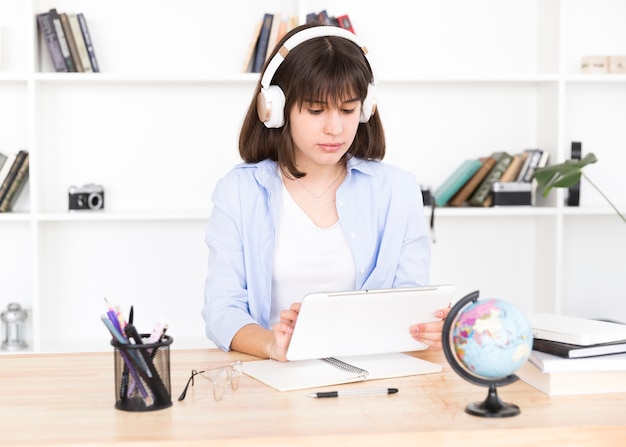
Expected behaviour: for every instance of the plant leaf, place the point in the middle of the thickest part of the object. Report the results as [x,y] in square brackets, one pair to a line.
[562,175]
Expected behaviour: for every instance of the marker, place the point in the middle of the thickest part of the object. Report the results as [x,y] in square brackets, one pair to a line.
[354,392]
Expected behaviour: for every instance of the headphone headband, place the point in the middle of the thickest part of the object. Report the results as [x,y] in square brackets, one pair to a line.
[303,36]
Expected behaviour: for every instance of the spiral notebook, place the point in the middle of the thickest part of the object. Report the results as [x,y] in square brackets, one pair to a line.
[301,374]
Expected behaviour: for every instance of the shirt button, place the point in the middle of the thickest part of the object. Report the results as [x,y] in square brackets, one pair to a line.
[352,235]
[362,271]
[340,203]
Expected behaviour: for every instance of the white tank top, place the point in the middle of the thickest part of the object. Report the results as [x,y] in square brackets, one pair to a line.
[307,258]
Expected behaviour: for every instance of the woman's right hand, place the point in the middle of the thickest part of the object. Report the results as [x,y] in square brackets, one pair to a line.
[282,333]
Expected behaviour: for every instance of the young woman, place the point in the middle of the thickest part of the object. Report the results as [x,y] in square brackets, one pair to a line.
[312,208]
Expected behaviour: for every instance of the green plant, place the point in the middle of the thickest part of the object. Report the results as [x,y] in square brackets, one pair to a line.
[567,174]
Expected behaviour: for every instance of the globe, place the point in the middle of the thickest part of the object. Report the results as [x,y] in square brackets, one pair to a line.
[485,342]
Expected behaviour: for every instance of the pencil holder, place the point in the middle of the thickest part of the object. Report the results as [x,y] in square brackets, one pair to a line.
[142,375]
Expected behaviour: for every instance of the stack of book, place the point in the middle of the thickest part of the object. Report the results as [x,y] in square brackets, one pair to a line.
[272,29]
[574,355]
[472,183]
[13,177]
[68,40]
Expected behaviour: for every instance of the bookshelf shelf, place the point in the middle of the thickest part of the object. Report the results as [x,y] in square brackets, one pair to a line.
[157,127]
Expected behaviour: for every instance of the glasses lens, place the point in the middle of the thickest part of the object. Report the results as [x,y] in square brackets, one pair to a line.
[235,374]
[219,378]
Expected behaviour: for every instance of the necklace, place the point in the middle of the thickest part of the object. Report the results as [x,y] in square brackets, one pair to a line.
[319,197]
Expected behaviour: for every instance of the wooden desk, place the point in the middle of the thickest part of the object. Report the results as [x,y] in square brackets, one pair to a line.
[68,399]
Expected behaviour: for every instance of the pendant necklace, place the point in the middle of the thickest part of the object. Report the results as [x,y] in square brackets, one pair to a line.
[319,197]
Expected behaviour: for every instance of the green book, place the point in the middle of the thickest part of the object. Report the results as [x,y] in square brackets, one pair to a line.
[455,181]
[479,196]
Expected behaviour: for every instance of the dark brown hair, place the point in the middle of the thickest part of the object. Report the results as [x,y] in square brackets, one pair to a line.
[320,69]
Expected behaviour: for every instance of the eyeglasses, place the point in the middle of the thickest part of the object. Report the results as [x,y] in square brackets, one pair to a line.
[219,377]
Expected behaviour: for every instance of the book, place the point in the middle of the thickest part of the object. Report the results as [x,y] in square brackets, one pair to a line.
[572,351]
[466,191]
[65,49]
[455,181]
[46,29]
[262,44]
[554,363]
[249,59]
[533,156]
[6,167]
[81,48]
[71,42]
[301,374]
[483,191]
[508,176]
[12,173]
[274,30]
[343,21]
[88,43]
[16,186]
[572,382]
[575,330]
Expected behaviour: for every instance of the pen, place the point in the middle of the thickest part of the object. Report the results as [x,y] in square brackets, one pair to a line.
[354,392]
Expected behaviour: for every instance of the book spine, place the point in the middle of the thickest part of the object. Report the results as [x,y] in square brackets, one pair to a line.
[6,185]
[52,42]
[65,49]
[80,43]
[262,44]
[16,186]
[71,42]
[479,196]
[345,23]
[88,43]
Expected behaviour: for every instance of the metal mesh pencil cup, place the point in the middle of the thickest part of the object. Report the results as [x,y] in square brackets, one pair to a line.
[142,375]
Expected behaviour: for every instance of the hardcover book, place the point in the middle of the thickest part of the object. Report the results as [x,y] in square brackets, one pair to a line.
[572,382]
[71,42]
[16,186]
[479,197]
[262,44]
[456,181]
[572,351]
[12,173]
[52,42]
[81,48]
[88,43]
[466,191]
[65,49]
[575,330]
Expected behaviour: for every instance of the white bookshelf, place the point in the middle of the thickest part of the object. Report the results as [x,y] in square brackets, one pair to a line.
[158,127]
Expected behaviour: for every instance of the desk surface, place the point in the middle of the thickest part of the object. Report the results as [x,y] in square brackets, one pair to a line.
[68,399]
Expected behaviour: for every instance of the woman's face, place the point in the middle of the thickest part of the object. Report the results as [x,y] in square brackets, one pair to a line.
[322,132]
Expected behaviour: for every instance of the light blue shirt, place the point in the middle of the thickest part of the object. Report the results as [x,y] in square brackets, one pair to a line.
[380,210]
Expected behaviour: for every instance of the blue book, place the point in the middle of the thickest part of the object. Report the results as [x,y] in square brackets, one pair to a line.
[455,181]
[263,43]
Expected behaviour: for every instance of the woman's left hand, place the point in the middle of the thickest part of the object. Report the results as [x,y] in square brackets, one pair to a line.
[430,333]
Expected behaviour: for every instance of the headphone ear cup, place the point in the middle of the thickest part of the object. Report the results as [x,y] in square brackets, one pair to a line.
[270,106]
[368,108]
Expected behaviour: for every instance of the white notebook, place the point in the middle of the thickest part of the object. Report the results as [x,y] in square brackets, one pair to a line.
[575,330]
[301,374]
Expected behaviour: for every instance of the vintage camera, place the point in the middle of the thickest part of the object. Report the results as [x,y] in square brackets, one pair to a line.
[88,197]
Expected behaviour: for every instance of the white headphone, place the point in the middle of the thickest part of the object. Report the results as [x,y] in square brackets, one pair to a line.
[271,99]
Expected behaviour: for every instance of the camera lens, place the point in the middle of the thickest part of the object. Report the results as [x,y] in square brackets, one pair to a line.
[95,201]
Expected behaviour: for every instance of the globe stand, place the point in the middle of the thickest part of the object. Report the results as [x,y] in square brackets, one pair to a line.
[492,406]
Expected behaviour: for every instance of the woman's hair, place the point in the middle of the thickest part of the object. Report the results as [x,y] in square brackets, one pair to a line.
[320,69]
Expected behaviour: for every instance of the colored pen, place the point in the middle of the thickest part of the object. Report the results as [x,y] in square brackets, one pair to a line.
[354,392]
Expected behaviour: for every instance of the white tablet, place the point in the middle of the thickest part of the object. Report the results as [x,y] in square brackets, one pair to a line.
[364,322]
